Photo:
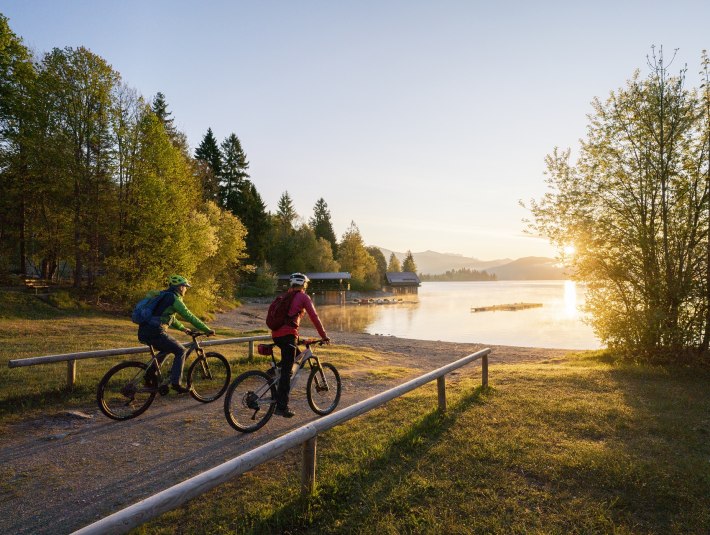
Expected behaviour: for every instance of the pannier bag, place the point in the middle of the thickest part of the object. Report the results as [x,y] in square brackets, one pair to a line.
[265,349]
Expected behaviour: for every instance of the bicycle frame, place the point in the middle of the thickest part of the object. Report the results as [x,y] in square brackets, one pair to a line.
[157,359]
[304,357]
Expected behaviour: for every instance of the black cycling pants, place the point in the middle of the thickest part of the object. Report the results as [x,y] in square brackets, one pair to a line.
[289,350]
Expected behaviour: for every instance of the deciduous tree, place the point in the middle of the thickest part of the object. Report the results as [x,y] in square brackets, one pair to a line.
[380,261]
[394,265]
[635,206]
[17,76]
[354,258]
[76,89]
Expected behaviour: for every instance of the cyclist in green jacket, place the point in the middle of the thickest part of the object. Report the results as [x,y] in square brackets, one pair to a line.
[154,332]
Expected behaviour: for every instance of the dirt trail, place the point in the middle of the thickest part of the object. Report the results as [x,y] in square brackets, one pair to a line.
[60,473]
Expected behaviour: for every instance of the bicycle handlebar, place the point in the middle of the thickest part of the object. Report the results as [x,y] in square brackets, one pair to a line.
[195,334]
[310,341]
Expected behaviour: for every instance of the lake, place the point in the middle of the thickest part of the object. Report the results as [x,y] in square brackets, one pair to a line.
[443,312]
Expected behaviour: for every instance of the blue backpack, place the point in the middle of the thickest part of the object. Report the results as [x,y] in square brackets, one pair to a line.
[143,311]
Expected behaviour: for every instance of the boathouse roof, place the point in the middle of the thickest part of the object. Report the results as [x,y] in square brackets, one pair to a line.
[329,276]
[402,278]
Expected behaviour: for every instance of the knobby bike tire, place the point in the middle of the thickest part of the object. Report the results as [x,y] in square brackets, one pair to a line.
[122,393]
[320,400]
[239,402]
[208,377]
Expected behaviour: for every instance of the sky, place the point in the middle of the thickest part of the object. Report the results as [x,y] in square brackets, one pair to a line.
[425,123]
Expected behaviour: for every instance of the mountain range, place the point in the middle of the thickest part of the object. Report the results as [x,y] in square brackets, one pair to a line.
[526,268]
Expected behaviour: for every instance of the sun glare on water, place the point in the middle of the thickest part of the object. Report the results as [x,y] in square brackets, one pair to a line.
[570,299]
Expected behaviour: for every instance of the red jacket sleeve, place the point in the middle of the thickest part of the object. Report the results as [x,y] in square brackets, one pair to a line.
[313,315]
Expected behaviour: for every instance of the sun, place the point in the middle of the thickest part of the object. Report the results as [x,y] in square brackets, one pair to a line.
[568,250]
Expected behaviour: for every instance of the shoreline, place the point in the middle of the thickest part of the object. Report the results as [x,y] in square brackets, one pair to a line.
[251,316]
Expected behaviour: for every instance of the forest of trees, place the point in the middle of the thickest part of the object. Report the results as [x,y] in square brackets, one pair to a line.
[100,189]
[636,208]
[463,274]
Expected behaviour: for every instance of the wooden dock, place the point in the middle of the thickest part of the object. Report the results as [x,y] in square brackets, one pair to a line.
[511,306]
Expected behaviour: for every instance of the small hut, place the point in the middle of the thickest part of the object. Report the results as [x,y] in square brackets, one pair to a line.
[402,283]
[324,288]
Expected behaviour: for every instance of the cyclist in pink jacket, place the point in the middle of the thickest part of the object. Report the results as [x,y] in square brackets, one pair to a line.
[286,338]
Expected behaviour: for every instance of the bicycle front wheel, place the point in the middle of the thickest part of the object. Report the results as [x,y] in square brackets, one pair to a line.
[208,377]
[323,389]
[123,393]
[250,401]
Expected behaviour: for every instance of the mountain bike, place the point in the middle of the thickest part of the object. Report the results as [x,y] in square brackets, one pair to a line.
[251,399]
[129,388]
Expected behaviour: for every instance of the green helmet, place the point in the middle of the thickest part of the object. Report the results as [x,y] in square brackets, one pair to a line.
[178,280]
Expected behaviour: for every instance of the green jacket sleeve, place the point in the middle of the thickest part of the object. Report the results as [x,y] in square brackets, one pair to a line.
[181,309]
[175,324]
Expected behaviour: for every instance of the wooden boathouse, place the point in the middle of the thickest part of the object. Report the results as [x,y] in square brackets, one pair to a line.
[402,283]
[324,288]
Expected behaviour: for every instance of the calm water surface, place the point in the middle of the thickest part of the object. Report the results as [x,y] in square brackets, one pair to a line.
[443,312]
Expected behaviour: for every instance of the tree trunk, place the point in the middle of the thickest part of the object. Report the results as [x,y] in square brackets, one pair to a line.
[23,244]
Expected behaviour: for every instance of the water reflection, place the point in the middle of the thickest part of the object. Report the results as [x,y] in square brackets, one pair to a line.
[349,318]
[570,299]
[443,313]
[357,318]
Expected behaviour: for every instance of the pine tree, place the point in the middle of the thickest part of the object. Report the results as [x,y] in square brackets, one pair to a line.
[209,153]
[286,214]
[282,246]
[234,171]
[321,223]
[251,210]
[394,265]
[409,264]
[160,108]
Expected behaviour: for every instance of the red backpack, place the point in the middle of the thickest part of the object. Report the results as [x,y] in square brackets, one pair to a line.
[277,316]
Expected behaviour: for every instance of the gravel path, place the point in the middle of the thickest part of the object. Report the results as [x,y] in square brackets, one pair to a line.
[60,473]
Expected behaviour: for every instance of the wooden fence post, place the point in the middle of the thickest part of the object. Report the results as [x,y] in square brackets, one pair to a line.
[251,349]
[71,374]
[441,388]
[484,370]
[308,470]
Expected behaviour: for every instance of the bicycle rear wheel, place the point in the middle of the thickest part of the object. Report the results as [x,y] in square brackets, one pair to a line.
[123,393]
[250,401]
[208,377]
[323,389]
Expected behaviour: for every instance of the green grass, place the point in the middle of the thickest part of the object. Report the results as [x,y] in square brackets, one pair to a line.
[30,327]
[581,445]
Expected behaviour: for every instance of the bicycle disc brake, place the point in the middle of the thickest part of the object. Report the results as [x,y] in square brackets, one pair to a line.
[251,401]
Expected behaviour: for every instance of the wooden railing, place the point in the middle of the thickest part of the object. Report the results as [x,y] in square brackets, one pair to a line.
[71,358]
[307,436]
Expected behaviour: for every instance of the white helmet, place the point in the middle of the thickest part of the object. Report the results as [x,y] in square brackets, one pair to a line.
[298,279]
